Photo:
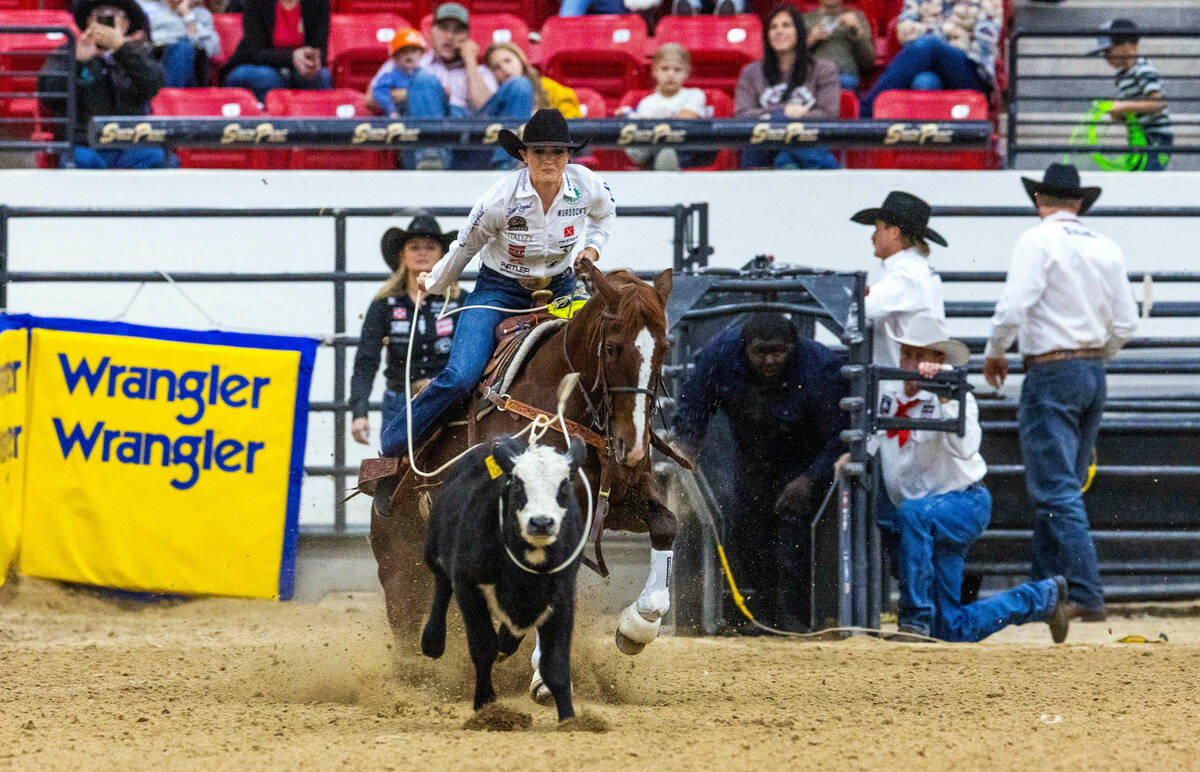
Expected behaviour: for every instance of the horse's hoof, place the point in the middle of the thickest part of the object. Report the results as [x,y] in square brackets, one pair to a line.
[539,692]
[628,645]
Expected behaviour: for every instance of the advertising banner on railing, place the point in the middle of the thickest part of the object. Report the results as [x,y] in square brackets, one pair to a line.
[14,347]
[164,460]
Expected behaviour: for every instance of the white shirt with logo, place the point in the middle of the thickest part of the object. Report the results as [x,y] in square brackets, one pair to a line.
[1067,288]
[509,231]
[921,463]
[909,287]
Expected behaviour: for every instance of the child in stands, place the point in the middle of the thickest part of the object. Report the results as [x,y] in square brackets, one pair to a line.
[390,90]
[506,60]
[1139,88]
[670,67]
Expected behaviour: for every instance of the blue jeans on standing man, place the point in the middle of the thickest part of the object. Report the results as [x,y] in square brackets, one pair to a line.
[260,79]
[933,535]
[1058,419]
[919,60]
[469,354]
[427,99]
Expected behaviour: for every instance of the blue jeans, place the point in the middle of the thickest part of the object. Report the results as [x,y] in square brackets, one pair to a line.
[260,79]
[1157,161]
[393,405]
[127,158]
[933,536]
[740,5]
[581,7]
[472,347]
[792,158]
[848,81]
[1058,419]
[924,56]
[179,64]
[427,99]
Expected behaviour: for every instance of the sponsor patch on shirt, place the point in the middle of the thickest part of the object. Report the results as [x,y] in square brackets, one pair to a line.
[571,212]
[516,252]
[399,312]
[442,346]
[400,328]
[514,268]
[927,410]
[568,231]
[517,224]
[445,326]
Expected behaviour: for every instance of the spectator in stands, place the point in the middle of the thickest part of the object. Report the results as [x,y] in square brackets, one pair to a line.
[1140,90]
[285,44]
[780,391]
[787,83]
[1068,302]
[389,91]
[909,286]
[602,7]
[949,44]
[115,74]
[843,36]
[507,60]
[184,39]
[719,8]
[392,317]
[935,481]
[670,67]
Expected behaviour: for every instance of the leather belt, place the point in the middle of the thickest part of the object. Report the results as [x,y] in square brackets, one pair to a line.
[1061,355]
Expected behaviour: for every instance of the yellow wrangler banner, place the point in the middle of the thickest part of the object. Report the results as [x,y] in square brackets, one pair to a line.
[164,460]
[14,345]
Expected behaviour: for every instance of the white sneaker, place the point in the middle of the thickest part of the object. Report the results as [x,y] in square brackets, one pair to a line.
[667,160]
[430,162]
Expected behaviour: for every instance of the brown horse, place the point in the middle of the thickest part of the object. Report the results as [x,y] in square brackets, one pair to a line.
[616,342]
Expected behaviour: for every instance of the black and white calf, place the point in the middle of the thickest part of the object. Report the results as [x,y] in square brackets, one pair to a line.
[502,538]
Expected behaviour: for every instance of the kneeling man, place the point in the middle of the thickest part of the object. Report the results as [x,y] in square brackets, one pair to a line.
[941,507]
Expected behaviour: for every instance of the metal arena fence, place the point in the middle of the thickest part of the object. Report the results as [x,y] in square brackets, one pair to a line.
[23,50]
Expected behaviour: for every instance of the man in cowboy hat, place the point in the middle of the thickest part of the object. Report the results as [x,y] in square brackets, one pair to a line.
[934,479]
[115,74]
[1069,304]
[909,285]
[392,317]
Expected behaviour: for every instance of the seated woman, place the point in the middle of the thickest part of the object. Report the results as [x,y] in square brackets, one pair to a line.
[947,45]
[842,35]
[184,39]
[285,44]
[787,83]
[507,60]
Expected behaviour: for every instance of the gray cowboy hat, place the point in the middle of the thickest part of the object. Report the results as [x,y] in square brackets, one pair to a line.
[1062,181]
[547,128]
[904,210]
[137,17]
[426,226]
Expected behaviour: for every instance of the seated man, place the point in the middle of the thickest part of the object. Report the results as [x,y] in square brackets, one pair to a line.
[842,35]
[780,392]
[941,507]
[453,83]
[285,44]
[184,39]
[115,74]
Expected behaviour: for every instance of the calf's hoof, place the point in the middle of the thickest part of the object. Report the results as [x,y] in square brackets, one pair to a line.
[433,641]
[634,630]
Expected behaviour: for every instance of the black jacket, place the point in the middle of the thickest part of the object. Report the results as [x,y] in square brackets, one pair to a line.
[258,33]
[123,85]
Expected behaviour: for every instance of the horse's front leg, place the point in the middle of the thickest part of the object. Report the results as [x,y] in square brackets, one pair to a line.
[642,619]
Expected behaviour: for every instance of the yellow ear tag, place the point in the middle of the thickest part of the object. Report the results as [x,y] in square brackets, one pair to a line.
[493,468]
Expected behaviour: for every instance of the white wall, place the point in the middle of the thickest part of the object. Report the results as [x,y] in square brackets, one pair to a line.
[800,217]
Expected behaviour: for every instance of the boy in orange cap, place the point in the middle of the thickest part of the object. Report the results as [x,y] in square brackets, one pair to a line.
[391,89]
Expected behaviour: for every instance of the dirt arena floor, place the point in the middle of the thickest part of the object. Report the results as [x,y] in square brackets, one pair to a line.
[92,683]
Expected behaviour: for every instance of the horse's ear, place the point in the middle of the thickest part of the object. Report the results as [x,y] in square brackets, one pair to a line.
[604,288]
[663,284]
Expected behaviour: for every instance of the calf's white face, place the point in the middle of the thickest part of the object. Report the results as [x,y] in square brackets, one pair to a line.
[540,493]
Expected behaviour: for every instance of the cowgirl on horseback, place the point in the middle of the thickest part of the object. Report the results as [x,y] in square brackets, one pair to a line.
[525,227]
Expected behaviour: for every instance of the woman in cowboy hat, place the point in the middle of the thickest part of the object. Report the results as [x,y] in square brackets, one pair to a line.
[525,228]
[391,318]
[909,285]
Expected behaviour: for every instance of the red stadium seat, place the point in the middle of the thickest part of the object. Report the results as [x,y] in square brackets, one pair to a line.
[722,107]
[232,103]
[358,44]
[488,28]
[527,10]
[27,53]
[847,108]
[591,103]
[336,103]
[406,9]
[930,106]
[604,53]
[720,46]
[229,29]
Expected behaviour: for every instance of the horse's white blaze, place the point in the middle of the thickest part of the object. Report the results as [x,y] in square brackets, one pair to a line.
[644,343]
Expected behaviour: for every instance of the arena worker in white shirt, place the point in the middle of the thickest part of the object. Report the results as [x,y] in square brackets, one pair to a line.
[934,480]
[909,285]
[525,228]
[1068,302]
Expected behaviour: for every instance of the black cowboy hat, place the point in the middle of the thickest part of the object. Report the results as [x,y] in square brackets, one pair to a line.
[1062,181]
[904,210]
[547,128]
[137,17]
[394,239]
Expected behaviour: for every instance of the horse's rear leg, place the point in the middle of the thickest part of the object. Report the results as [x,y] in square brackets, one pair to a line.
[642,619]
[398,542]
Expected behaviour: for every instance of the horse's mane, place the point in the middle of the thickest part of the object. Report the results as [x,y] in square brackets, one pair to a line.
[640,304]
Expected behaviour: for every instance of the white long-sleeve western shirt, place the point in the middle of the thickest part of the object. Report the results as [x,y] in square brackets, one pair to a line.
[1067,289]
[513,236]
[920,463]
[909,286]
